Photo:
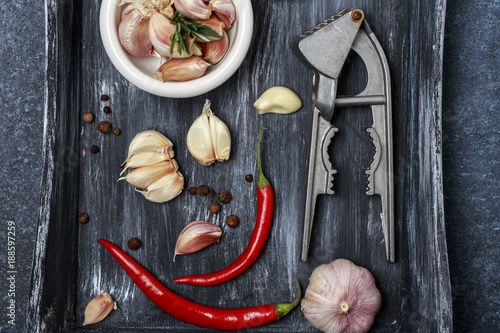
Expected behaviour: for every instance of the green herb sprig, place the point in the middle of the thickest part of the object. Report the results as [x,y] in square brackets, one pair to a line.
[187,27]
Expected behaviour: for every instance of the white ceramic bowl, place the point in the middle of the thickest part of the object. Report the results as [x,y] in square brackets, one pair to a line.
[140,71]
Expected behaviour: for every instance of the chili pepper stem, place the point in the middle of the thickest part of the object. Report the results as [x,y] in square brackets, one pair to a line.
[283,308]
[262,180]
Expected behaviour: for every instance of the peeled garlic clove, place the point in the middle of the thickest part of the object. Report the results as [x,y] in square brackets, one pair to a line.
[165,188]
[214,51]
[143,177]
[195,236]
[98,309]
[148,158]
[148,141]
[193,9]
[225,11]
[182,69]
[208,138]
[215,24]
[341,297]
[133,33]
[278,100]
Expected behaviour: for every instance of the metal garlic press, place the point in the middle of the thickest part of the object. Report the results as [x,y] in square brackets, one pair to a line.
[324,49]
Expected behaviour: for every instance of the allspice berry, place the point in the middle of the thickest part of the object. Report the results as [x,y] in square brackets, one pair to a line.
[104,127]
[224,197]
[202,190]
[214,207]
[116,131]
[192,190]
[249,178]
[83,218]
[88,117]
[134,243]
[232,221]
[94,149]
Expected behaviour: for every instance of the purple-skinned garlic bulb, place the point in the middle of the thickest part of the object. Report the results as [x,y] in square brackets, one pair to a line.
[341,297]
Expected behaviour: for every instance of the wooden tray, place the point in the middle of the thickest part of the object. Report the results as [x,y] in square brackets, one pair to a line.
[70,267]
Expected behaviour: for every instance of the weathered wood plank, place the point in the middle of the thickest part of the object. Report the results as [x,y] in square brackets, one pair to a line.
[70,267]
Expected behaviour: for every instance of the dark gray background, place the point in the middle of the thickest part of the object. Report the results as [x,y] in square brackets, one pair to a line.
[470,153]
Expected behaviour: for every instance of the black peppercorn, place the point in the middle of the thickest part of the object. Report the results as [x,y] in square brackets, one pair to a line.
[107,110]
[232,221]
[104,127]
[94,149]
[192,190]
[134,243]
[83,218]
[104,98]
[211,192]
[249,178]
[214,207]
[202,190]
[224,197]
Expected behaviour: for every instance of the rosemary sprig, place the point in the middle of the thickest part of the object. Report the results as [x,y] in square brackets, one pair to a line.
[187,27]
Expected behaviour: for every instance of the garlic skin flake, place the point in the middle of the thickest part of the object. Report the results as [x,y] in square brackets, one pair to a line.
[195,236]
[278,99]
[341,297]
[98,309]
[208,138]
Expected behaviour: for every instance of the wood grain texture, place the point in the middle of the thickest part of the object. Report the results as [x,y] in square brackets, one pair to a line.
[70,268]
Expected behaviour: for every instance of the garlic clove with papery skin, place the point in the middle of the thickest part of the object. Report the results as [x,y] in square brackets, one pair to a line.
[144,176]
[225,11]
[98,309]
[182,69]
[214,51]
[165,189]
[196,236]
[341,297]
[215,24]
[278,99]
[148,158]
[148,141]
[193,9]
[208,138]
[133,33]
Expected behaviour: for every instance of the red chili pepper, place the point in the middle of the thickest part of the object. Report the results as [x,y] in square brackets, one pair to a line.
[194,313]
[265,208]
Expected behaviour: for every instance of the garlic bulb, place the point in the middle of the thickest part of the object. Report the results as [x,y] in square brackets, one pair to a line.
[150,156]
[278,100]
[341,297]
[182,69]
[208,138]
[98,309]
[195,236]
[225,11]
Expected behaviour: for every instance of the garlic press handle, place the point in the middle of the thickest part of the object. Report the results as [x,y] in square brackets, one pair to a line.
[319,175]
